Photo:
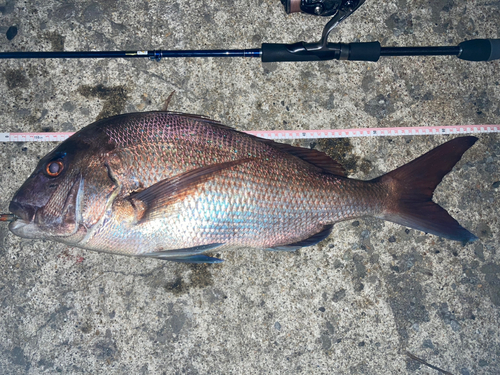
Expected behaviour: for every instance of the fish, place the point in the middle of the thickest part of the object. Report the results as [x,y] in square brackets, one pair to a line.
[173,186]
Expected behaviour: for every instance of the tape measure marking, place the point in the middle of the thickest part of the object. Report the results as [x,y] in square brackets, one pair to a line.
[298,134]
[34,137]
[376,132]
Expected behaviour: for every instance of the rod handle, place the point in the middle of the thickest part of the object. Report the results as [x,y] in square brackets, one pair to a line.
[276,52]
[273,52]
[480,50]
[369,51]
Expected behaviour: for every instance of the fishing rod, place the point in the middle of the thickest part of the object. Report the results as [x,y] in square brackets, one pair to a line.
[471,50]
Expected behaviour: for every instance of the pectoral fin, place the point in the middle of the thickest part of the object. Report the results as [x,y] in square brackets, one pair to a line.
[187,255]
[170,190]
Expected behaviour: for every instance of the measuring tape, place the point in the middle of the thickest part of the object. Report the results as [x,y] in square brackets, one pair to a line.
[375,132]
[297,134]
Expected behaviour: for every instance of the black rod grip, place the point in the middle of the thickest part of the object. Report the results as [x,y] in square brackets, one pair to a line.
[335,51]
[364,51]
[480,50]
[274,52]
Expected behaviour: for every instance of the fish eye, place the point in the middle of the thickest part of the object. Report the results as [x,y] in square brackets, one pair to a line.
[54,168]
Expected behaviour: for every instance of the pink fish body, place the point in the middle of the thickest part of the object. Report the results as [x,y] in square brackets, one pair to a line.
[175,186]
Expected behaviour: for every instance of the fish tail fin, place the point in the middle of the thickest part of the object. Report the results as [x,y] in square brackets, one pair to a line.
[411,188]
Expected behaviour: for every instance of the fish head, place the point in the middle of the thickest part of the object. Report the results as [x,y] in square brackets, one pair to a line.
[48,204]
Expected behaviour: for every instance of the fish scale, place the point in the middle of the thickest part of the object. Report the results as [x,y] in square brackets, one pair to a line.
[221,202]
[174,186]
[209,217]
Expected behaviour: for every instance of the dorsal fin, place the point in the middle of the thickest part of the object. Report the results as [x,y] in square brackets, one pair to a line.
[314,157]
[317,158]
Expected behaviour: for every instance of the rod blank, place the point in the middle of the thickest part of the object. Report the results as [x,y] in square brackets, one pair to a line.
[156,55]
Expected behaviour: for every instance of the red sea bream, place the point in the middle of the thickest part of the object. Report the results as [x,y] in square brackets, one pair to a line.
[175,186]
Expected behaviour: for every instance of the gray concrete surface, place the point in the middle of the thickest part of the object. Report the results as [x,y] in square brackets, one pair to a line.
[355,303]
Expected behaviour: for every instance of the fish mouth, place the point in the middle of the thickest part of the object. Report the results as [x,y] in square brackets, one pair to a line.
[17,225]
[23,225]
[25,229]
[23,211]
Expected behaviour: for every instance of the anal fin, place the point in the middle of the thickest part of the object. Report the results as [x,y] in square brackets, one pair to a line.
[187,255]
[313,240]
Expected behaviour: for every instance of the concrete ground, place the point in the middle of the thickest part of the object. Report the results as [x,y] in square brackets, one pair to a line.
[354,304]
